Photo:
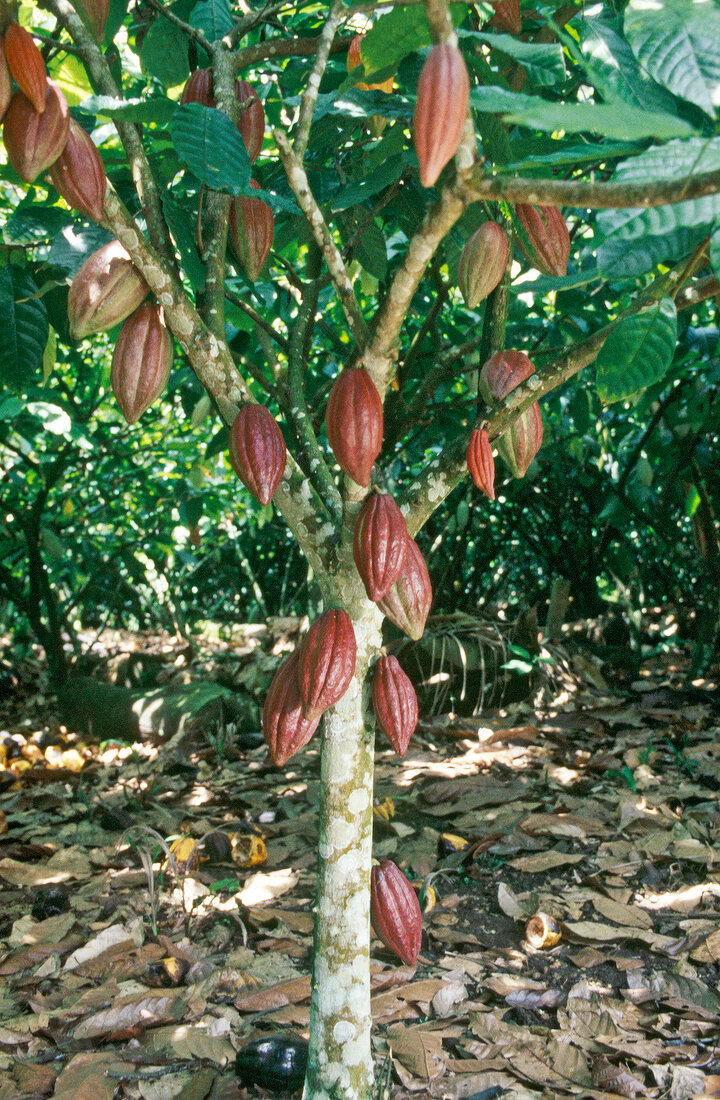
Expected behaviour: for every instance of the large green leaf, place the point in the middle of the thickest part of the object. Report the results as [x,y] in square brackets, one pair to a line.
[678,43]
[24,331]
[164,53]
[213,18]
[613,68]
[638,352]
[181,223]
[158,110]
[210,145]
[543,62]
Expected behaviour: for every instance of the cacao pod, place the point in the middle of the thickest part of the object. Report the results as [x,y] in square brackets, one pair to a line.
[95,13]
[394,703]
[285,728]
[543,238]
[480,462]
[250,231]
[326,662]
[5,81]
[79,174]
[354,423]
[251,120]
[107,289]
[354,61]
[141,361]
[257,451]
[521,442]
[440,110]
[507,16]
[34,141]
[408,600]
[395,911]
[380,544]
[199,88]
[482,263]
[502,373]
[26,65]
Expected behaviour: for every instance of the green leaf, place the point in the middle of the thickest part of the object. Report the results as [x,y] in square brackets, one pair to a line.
[612,120]
[213,18]
[210,145]
[182,226]
[371,251]
[544,63]
[370,184]
[395,34]
[158,110]
[638,352]
[678,44]
[613,68]
[164,53]
[24,331]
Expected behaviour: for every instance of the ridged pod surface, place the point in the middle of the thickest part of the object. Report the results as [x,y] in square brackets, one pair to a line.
[521,442]
[380,543]
[107,289]
[326,661]
[507,16]
[251,120]
[26,64]
[394,703]
[251,229]
[285,727]
[407,602]
[482,263]
[34,141]
[546,243]
[480,462]
[5,81]
[141,361]
[79,174]
[95,13]
[354,61]
[257,451]
[502,373]
[395,911]
[354,423]
[440,109]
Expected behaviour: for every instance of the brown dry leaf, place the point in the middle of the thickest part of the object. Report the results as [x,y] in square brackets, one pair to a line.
[418,1050]
[266,886]
[133,1014]
[87,1076]
[615,1079]
[545,861]
[275,996]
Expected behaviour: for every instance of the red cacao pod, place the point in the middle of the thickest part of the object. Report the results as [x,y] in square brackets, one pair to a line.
[199,88]
[521,442]
[79,174]
[141,361]
[5,81]
[26,65]
[507,16]
[326,662]
[34,141]
[285,728]
[440,110]
[107,289]
[380,544]
[354,423]
[354,61]
[250,231]
[502,373]
[251,120]
[257,451]
[543,238]
[95,13]
[480,462]
[408,600]
[482,263]
[395,911]
[394,703]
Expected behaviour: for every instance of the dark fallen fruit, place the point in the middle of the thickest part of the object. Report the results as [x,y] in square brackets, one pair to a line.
[49,902]
[278,1064]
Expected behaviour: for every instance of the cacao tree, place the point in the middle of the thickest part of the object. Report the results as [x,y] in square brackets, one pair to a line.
[323,214]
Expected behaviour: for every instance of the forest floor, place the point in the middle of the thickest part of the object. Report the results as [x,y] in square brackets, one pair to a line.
[566,849]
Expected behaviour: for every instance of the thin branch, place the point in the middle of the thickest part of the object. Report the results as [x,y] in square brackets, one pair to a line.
[251,312]
[281,47]
[309,99]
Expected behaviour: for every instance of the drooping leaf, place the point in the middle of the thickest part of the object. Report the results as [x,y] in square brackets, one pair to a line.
[613,68]
[158,110]
[210,145]
[543,62]
[213,18]
[164,53]
[24,331]
[638,352]
[371,250]
[180,221]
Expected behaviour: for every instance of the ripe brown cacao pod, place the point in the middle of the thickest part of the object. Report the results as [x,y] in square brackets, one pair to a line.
[502,373]
[380,544]
[354,423]
[5,81]
[507,16]
[107,289]
[34,141]
[482,263]
[251,120]
[250,232]
[285,727]
[480,462]
[141,361]
[407,602]
[26,65]
[440,109]
[395,911]
[354,61]
[79,174]
[257,451]
[521,442]
[326,662]
[394,703]
[543,238]
[199,88]
[95,13]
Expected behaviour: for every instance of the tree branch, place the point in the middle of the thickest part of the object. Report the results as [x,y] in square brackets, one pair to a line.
[309,99]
